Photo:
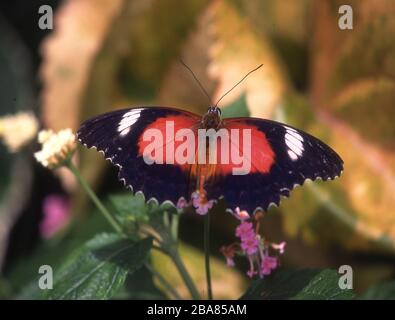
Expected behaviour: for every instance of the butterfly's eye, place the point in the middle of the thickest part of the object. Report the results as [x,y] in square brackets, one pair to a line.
[214,110]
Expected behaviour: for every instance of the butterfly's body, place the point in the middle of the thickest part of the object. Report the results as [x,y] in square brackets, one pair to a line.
[280,156]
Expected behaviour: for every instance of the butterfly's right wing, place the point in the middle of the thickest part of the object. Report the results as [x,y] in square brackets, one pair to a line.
[281,157]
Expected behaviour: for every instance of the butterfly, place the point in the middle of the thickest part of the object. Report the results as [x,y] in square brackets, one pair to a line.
[254,163]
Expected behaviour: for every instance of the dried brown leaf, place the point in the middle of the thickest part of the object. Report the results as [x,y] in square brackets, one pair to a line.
[238,49]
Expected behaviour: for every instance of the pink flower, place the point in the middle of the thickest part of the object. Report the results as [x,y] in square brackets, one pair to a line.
[56,215]
[250,245]
[230,262]
[249,241]
[181,203]
[229,253]
[245,229]
[204,207]
[268,264]
[201,204]
[241,214]
[280,247]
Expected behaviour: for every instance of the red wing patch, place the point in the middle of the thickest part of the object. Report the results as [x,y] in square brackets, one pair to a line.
[240,148]
[255,151]
[168,139]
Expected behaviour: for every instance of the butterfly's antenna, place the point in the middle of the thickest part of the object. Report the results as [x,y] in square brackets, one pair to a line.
[216,104]
[197,80]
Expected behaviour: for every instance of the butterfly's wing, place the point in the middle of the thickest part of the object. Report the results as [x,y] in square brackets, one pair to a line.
[118,135]
[282,157]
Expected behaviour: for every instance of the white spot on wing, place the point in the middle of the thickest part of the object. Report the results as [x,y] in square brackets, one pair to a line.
[289,129]
[125,131]
[292,155]
[128,120]
[294,142]
[295,135]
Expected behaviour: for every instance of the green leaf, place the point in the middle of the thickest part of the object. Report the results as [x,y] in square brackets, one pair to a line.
[31,291]
[99,268]
[237,108]
[312,284]
[24,272]
[131,208]
[385,291]
[140,285]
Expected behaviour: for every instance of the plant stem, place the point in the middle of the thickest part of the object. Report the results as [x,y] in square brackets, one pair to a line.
[173,253]
[174,227]
[94,198]
[164,282]
[207,254]
[175,256]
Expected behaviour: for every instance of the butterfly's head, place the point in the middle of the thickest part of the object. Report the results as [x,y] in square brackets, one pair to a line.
[212,118]
[215,110]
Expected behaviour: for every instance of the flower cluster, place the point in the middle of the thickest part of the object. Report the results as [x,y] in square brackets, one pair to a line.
[254,247]
[198,201]
[249,240]
[18,130]
[56,147]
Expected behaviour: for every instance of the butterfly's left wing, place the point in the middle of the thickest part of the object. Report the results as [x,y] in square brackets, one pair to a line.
[118,135]
[281,157]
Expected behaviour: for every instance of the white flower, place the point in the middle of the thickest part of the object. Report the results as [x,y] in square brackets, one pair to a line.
[56,147]
[18,130]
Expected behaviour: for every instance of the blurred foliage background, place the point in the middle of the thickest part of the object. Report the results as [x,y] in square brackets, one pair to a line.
[106,54]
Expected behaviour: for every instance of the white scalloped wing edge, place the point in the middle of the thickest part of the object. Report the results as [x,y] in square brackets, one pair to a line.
[229,210]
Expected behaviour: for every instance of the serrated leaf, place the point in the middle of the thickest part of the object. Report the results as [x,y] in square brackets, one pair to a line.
[163,45]
[352,89]
[99,268]
[238,49]
[179,88]
[140,285]
[24,271]
[311,284]
[291,34]
[352,211]
[130,208]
